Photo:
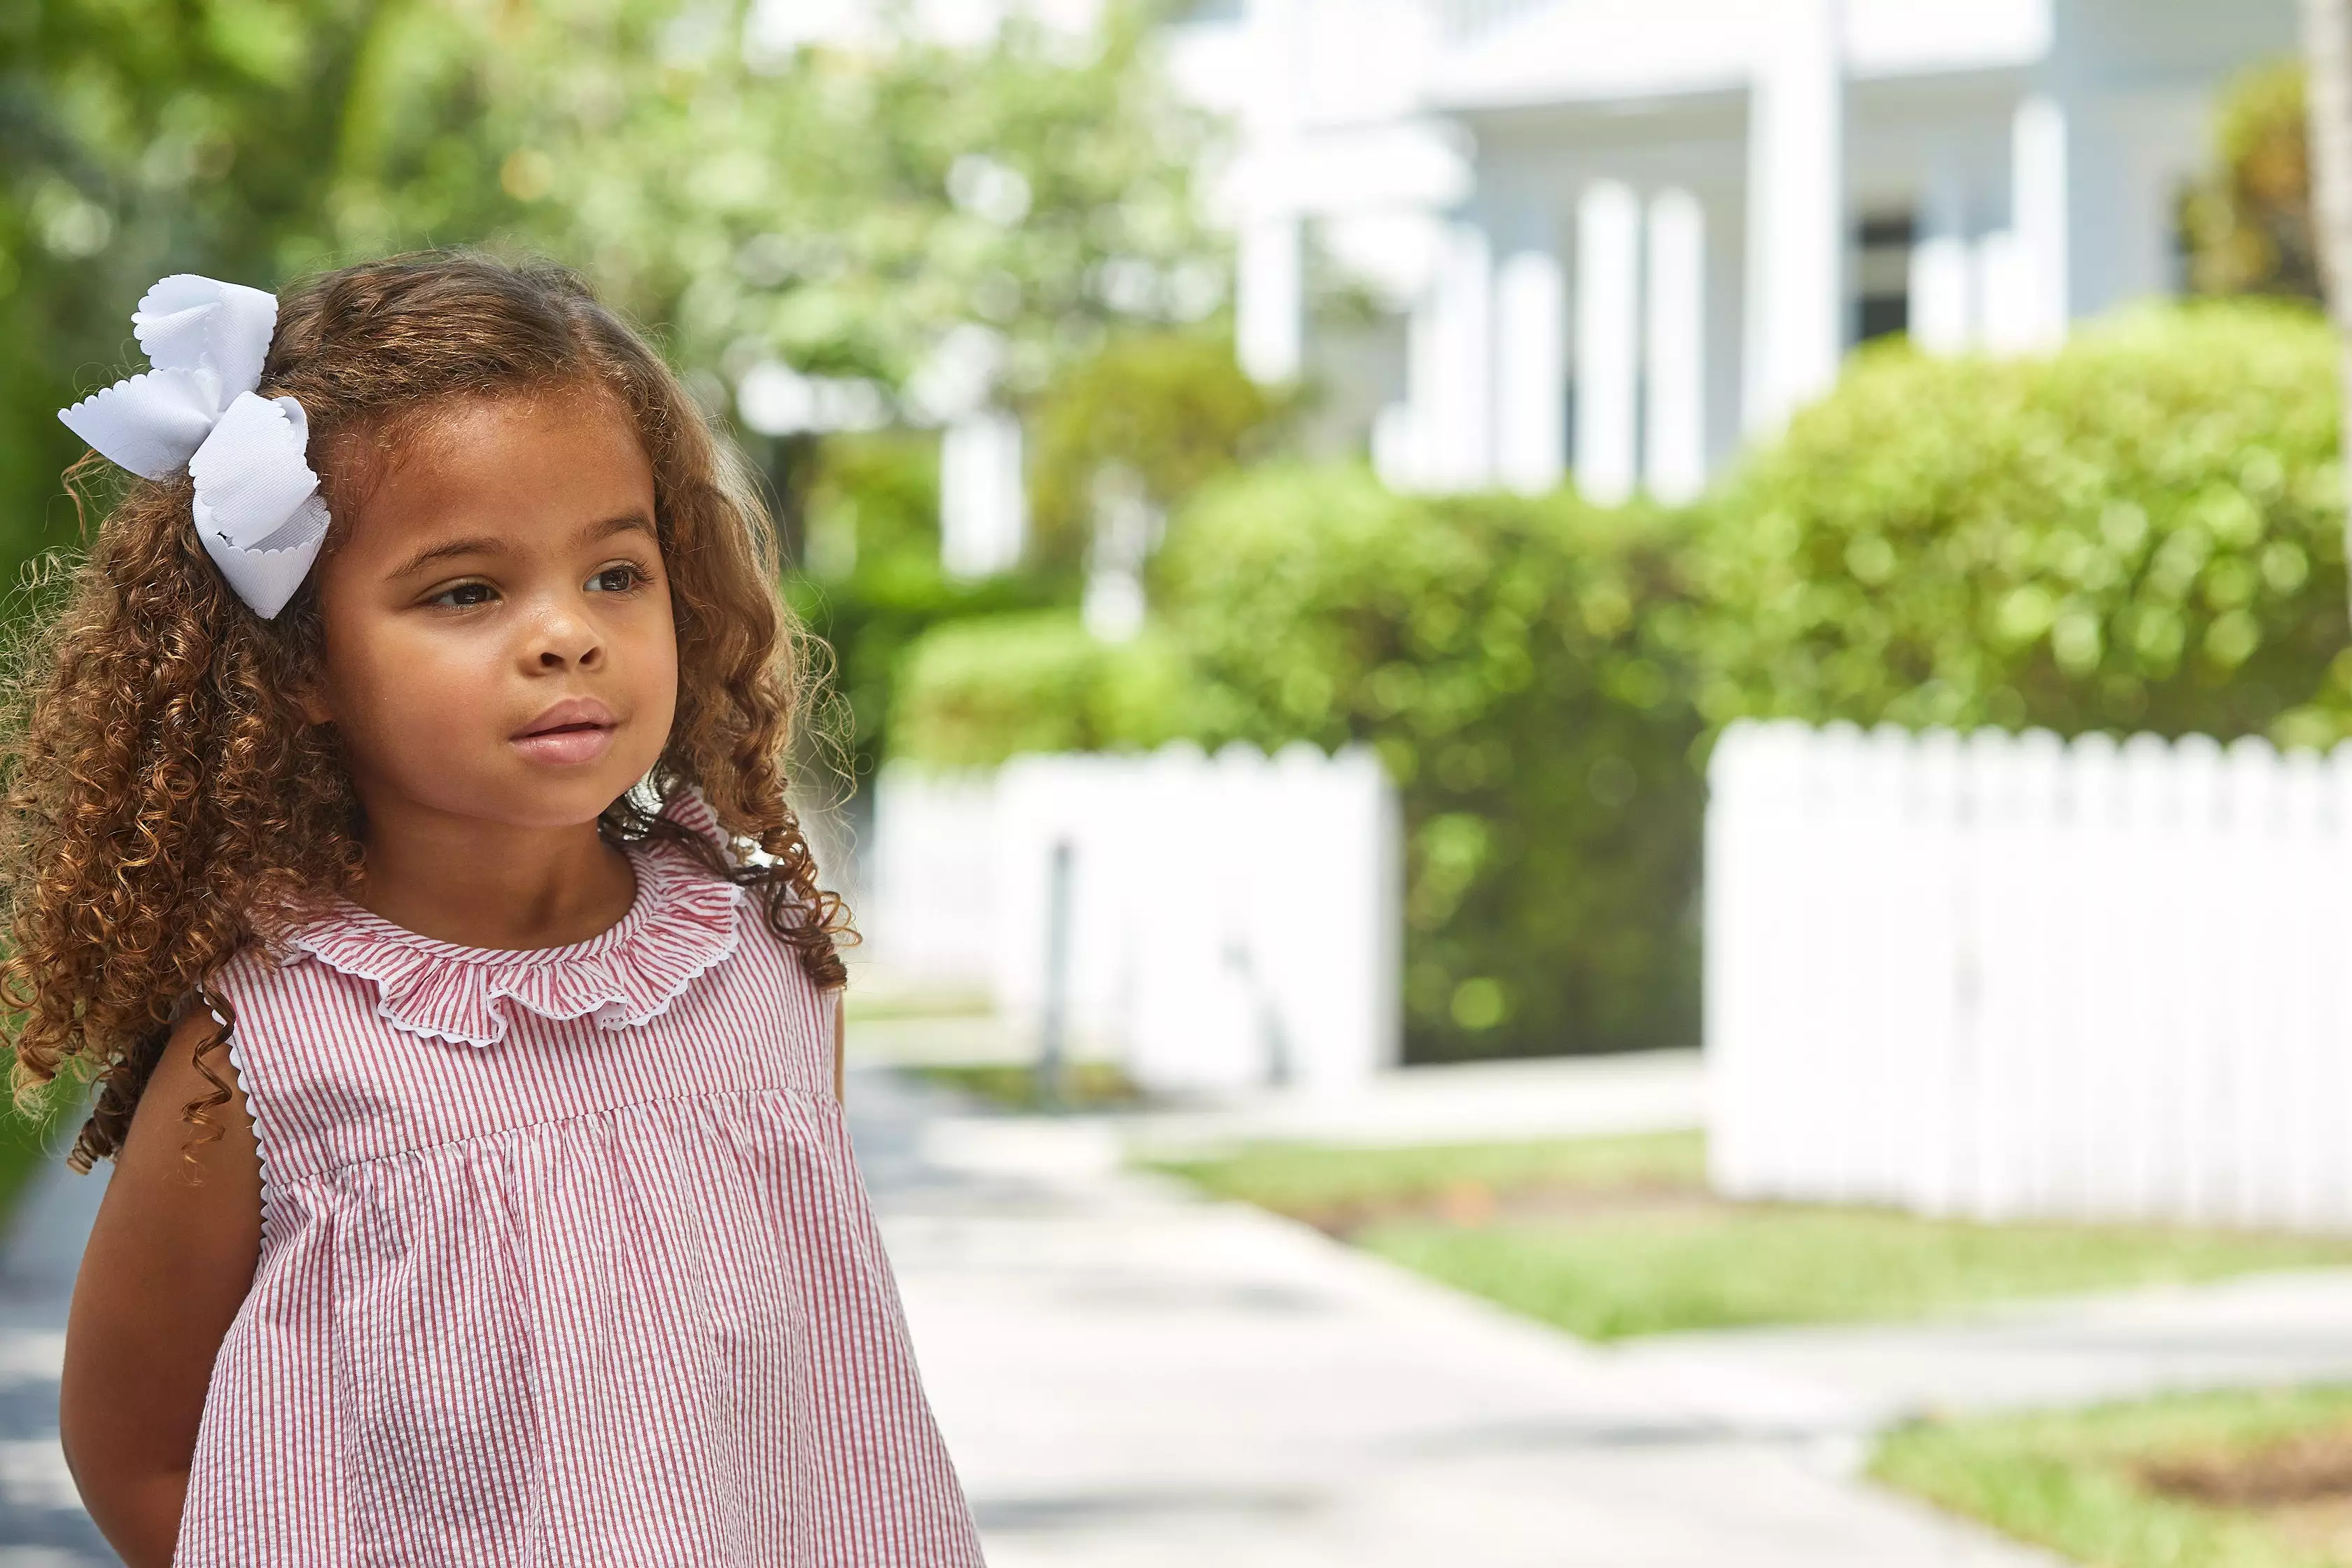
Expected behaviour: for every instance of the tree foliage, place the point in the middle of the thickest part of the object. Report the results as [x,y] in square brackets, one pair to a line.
[2248,222]
[1169,410]
[844,210]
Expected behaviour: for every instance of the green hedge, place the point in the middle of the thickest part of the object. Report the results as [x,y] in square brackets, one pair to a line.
[975,692]
[871,586]
[1492,650]
[2143,532]
[1489,649]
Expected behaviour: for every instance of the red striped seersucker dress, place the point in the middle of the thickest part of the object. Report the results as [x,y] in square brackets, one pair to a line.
[563,1261]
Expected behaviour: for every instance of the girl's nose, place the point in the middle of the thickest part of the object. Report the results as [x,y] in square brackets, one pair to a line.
[567,642]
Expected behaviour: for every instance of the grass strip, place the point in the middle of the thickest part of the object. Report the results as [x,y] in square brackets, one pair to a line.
[1085,1085]
[2080,1483]
[1611,1238]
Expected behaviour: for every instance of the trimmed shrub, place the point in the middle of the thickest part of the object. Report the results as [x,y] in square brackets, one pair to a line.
[2144,531]
[1490,650]
[973,693]
[874,587]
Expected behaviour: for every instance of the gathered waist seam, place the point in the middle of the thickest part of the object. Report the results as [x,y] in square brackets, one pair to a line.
[821,1101]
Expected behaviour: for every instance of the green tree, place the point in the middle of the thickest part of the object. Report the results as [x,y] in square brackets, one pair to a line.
[845,211]
[248,139]
[1491,648]
[2249,221]
[1170,410]
[848,210]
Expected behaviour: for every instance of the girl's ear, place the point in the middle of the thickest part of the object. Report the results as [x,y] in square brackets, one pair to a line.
[311,697]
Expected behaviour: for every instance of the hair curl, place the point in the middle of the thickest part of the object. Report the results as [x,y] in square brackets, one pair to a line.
[168,802]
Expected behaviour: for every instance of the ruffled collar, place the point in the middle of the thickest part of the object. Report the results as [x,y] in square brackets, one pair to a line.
[682,923]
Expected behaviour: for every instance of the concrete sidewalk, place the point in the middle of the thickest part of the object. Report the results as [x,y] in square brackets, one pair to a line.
[1459,1102]
[2264,1331]
[41,1521]
[1130,1377]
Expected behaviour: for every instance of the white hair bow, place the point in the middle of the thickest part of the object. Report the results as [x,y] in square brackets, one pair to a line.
[256,504]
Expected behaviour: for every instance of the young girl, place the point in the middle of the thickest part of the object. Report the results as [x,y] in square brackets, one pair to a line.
[396,833]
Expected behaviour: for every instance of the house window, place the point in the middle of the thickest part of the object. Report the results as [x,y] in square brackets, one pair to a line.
[1882,275]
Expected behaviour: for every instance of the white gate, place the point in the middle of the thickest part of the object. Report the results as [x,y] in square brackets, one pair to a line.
[1232,921]
[2004,976]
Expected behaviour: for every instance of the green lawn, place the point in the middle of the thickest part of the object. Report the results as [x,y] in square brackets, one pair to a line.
[1614,1238]
[2228,1480]
[1086,1085]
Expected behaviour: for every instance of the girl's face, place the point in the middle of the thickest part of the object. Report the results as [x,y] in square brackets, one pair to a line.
[498,644]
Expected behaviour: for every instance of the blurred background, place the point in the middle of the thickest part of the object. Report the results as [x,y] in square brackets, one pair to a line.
[1589,752]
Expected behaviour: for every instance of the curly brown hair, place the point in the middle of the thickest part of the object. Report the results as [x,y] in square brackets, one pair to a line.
[168,802]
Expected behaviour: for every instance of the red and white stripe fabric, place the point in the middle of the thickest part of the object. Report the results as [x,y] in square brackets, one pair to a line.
[564,1261]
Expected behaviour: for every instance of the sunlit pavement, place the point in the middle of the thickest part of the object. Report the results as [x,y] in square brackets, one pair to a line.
[1130,1377]
[1465,1103]
[2267,1330]
[41,1521]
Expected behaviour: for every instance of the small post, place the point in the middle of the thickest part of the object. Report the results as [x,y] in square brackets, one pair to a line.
[1272,1038]
[1052,1043]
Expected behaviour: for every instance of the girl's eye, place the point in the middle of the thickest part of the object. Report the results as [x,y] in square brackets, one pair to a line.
[464,595]
[618,578]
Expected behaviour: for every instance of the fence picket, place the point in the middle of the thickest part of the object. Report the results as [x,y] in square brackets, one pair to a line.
[2004,976]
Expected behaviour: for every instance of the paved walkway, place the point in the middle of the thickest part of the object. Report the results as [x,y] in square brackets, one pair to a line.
[2264,1331]
[1131,1377]
[41,1521]
[1552,1096]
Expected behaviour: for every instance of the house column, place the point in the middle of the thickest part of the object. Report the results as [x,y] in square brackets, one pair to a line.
[1269,299]
[1457,415]
[983,501]
[1942,287]
[1404,436]
[1797,213]
[2023,294]
[1674,423]
[2038,198]
[1531,369]
[1608,341]
[1269,281]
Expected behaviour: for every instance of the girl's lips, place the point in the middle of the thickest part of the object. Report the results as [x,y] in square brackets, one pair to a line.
[567,746]
[575,731]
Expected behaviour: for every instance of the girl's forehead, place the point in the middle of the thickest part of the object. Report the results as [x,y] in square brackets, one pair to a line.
[503,427]
[543,464]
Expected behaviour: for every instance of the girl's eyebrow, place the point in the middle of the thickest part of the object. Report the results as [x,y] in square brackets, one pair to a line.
[483,544]
[479,545]
[626,522]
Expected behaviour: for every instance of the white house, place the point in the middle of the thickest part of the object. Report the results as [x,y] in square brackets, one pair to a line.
[1617,237]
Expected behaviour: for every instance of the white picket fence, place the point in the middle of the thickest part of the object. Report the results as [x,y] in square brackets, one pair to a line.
[1234,922]
[2005,976]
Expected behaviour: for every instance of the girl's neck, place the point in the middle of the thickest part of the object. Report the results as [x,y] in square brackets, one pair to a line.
[483,884]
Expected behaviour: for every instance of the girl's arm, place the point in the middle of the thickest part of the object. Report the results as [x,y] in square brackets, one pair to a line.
[169,1263]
